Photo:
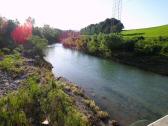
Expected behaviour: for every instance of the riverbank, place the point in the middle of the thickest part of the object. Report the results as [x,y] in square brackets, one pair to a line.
[144,48]
[33,95]
[156,64]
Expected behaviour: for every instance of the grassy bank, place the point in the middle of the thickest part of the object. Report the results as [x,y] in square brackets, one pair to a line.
[148,32]
[39,96]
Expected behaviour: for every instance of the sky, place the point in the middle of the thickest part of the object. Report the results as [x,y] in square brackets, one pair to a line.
[77,14]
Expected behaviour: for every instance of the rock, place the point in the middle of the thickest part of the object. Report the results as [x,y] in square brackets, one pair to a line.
[7,84]
[62,79]
[113,123]
[102,115]
[45,122]
[31,62]
[1,58]
[67,88]
[17,81]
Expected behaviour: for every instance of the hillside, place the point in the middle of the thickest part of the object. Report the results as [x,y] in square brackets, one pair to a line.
[148,32]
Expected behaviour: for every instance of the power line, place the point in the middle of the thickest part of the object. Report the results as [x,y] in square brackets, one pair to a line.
[116,9]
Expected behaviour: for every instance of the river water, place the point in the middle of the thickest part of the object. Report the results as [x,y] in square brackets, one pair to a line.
[127,93]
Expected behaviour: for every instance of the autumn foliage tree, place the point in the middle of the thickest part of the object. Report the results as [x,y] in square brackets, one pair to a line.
[22,32]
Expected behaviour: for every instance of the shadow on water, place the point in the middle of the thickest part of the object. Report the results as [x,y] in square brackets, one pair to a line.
[127,93]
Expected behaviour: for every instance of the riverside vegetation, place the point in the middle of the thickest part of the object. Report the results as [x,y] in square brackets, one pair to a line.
[144,48]
[29,92]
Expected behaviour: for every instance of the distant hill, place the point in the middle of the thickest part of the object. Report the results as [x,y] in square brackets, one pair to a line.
[148,32]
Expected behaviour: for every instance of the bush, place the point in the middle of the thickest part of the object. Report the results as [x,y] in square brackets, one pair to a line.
[114,42]
[164,50]
[103,48]
[102,115]
[148,47]
[12,64]
[19,48]
[93,45]
[35,46]
[129,43]
[33,103]
[6,50]
[1,53]
[163,38]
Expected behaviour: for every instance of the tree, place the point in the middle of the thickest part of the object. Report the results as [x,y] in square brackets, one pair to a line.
[51,34]
[93,45]
[6,27]
[22,32]
[108,26]
[38,31]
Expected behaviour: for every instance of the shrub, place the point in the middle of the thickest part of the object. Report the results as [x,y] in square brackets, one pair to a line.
[102,115]
[35,46]
[148,47]
[33,103]
[6,50]
[164,50]
[93,45]
[129,44]
[1,53]
[114,42]
[12,64]
[163,38]
[19,48]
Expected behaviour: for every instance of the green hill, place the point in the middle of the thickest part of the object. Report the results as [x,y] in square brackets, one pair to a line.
[148,32]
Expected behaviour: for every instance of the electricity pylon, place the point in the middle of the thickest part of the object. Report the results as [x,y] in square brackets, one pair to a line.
[116,9]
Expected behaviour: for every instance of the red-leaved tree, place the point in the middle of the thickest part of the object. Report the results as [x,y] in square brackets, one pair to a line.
[22,33]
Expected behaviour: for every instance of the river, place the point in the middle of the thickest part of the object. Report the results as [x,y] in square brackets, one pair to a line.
[127,93]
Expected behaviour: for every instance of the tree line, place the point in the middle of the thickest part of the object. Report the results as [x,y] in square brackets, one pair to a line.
[107,45]
[108,26]
[13,34]
[105,39]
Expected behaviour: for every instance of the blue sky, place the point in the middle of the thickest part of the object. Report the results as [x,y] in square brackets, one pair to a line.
[144,13]
[76,14]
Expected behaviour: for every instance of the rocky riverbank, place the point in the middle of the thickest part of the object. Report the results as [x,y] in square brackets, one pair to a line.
[86,105]
[7,83]
[20,76]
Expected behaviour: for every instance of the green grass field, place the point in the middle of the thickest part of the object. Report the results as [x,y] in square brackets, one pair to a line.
[148,32]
